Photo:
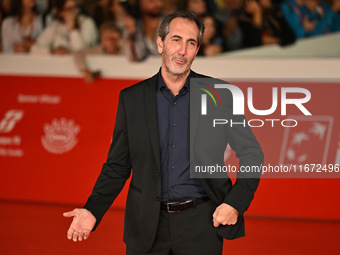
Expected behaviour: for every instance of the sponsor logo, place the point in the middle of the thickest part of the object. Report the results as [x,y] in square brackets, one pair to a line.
[60,136]
[312,132]
[11,118]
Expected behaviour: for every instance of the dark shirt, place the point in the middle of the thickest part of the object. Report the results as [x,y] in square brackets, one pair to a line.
[173,126]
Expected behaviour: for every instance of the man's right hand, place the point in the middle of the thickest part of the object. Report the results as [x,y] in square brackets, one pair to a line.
[82,224]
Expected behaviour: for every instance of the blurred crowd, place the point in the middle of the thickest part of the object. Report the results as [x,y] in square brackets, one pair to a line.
[129,27]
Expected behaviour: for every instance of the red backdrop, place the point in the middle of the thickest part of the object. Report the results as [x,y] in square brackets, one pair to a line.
[55,134]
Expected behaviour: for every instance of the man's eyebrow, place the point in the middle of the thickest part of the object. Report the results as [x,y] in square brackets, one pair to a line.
[180,37]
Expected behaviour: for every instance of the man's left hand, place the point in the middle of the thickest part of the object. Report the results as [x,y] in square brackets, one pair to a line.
[225,215]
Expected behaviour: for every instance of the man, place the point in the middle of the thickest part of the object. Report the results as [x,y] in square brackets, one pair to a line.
[167,212]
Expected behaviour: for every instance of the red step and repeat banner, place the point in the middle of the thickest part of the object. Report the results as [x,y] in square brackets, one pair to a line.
[55,134]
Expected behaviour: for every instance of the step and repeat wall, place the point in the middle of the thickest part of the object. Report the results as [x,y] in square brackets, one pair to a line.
[55,129]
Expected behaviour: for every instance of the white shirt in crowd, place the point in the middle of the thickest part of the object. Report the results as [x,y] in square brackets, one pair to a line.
[57,35]
[13,33]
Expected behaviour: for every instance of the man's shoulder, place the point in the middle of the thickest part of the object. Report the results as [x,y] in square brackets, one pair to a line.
[139,86]
[198,75]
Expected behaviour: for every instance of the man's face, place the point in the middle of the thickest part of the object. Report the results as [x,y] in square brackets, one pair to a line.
[179,47]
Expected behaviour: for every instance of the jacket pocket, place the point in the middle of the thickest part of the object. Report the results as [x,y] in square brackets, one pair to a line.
[134,187]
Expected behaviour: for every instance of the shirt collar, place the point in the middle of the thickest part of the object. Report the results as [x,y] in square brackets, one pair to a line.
[162,84]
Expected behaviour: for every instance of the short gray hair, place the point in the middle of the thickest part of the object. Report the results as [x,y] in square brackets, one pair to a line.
[164,28]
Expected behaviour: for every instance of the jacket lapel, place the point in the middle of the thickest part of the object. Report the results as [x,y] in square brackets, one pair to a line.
[151,116]
[194,115]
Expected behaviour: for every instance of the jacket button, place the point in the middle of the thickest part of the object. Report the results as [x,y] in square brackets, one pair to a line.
[158,198]
[158,173]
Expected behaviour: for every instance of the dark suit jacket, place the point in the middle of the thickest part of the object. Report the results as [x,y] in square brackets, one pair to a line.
[135,145]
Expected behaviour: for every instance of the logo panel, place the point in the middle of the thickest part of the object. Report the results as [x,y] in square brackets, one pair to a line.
[12,117]
[60,136]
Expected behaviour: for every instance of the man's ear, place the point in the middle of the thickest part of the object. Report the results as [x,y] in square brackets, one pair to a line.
[159,45]
[198,48]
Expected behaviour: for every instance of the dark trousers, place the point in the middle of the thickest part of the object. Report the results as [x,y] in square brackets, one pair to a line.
[189,232]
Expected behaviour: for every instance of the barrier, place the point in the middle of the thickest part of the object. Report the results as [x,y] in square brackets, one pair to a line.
[55,130]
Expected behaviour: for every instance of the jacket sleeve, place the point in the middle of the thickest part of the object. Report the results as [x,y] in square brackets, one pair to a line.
[250,155]
[242,140]
[115,171]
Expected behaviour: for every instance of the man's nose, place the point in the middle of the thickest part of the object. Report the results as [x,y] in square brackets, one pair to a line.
[183,49]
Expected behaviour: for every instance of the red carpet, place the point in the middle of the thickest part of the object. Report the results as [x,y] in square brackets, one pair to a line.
[28,228]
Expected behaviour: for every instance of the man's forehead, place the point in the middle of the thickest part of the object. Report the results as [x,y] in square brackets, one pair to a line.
[181,24]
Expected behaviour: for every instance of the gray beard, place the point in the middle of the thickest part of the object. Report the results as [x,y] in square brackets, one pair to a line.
[177,75]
